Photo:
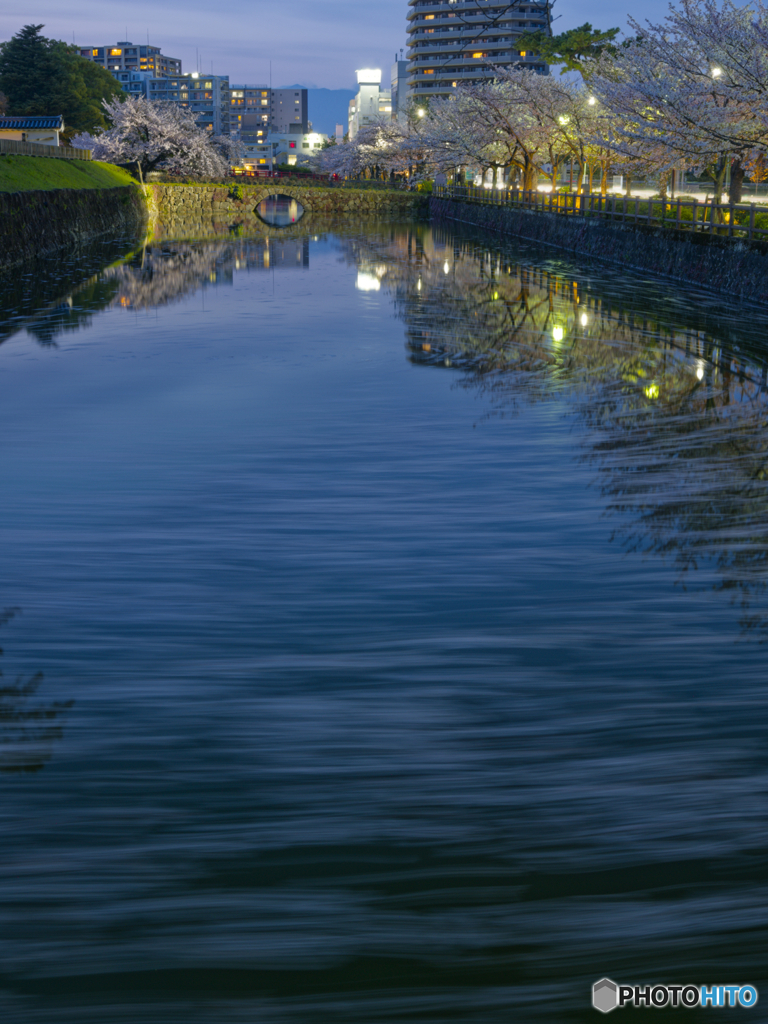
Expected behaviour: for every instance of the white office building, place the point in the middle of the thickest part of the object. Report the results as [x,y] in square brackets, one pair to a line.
[371,102]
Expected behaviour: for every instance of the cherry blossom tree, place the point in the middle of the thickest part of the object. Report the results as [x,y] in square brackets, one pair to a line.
[692,88]
[159,136]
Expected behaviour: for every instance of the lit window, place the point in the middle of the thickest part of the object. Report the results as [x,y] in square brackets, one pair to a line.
[429,17]
[523,53]
[115,53]
[429,71]
[95,53]
[209,85]
[479,54]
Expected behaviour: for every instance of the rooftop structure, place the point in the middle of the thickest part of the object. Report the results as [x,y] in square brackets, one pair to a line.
[453,42]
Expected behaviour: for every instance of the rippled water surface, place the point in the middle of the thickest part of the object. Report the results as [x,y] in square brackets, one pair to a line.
[399,603]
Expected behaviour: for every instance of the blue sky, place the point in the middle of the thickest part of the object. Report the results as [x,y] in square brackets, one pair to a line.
[315,42]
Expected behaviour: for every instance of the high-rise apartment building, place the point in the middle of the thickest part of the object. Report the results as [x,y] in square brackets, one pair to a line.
[456,42]
[133,57]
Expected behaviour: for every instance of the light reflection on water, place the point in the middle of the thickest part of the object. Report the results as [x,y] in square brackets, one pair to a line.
[416,688]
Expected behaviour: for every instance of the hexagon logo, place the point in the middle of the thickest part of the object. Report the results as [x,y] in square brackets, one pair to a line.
[605,995]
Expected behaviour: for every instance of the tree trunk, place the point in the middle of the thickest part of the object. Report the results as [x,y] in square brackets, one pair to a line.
[737,182]
[629,185]
[604,179]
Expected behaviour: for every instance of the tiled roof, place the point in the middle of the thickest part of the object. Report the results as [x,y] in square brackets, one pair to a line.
[29,123]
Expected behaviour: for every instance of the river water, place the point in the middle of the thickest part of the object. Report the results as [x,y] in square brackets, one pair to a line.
[399,604]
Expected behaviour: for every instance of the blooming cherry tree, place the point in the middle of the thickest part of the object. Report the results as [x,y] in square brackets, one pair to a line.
[159,135]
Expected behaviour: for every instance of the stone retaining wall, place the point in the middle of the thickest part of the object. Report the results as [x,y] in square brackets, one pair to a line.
[41,223]
[181,211]
[712,262]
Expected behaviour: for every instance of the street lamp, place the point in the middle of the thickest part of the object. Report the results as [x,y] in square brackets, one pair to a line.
[716,72]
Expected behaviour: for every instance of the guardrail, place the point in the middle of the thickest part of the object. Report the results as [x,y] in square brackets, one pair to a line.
[9,146]
[743,220]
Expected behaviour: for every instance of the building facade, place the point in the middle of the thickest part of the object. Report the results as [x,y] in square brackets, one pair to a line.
[281,148]
[207,96]
[371,102]
[42,130]
[127,56]
[399,89]
[457,42]
[257,110]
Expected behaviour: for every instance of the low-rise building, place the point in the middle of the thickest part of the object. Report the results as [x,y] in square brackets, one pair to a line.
[44,131]
[282,148]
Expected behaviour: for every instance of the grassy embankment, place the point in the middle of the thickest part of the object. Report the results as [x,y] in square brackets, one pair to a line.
[27,173]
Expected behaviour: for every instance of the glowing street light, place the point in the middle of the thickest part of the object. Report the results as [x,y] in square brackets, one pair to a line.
[716,72]
[591,101]
[421,112]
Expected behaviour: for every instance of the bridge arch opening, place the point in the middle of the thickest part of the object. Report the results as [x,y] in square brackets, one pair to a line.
[279,210]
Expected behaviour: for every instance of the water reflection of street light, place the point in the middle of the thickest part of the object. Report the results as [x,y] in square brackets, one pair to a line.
[652,391]
[584,319]
[700,369]
[367,282]
[558,333]
[446,267]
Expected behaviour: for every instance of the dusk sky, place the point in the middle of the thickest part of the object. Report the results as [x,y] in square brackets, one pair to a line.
[317,43]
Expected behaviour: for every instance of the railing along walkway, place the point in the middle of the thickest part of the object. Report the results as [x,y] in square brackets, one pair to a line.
[10,146]
[742,220]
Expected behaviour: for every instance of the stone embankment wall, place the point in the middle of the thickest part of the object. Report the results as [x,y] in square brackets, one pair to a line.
[713,262]
[34,224]
[181,211]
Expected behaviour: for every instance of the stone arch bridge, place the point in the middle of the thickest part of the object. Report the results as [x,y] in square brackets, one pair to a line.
[214,208]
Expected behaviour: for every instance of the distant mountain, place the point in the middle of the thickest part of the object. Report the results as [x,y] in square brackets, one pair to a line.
[327,107]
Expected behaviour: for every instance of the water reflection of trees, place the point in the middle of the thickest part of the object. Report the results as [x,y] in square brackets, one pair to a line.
[56,297]
[28,729]
[166,272]
[673,392]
